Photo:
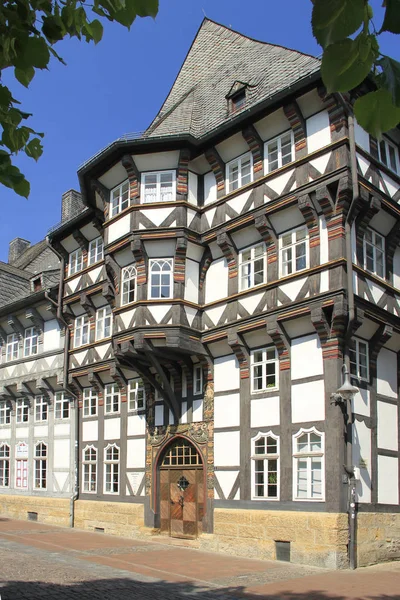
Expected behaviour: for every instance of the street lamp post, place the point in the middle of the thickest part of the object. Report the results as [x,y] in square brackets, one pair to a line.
[343,397]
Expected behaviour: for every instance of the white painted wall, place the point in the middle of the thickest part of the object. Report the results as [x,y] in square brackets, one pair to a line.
[112,428]
[210,188]
[232,147]
[113,177]
[310,103]
[197,411]
[61,429]
[306,357]
[226,480]
[362,454]
[90,431]
[387,373]
[160,249]
[135,453]
[246,237]
[272,125]
[288,219]
[362,137]
[226,374]
[184,417]
[217,280]
[157,161]
[388,480]
[119,228]
[192,281]
[62,454]
[41,431]
[318,131]
[51,335]
[192,191]
[387,426]
[308,402]
[396,268]
[136,425]
[227,410]
[264,412]
[361,403]
[227,449]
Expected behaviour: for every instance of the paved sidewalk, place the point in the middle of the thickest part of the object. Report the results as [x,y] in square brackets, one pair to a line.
[39,562]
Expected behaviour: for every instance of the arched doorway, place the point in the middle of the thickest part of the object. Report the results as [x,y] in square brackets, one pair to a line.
[181,489]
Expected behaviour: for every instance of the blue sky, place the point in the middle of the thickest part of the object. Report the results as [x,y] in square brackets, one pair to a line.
[118,87]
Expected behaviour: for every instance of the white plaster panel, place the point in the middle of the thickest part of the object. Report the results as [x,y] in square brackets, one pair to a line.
[136,425]
[112,428]
[158,215]
[272,125]
[61,479]
[190,314]
[135,479]
[197,411]
[227,410]
[94,273]
[376,290]
[158,311]
[278,183]
[159,415]
[5,434]
[362,459]
[215,313]
[216,251]
[308,402]
[363,164]
[157,161]
[41,431]
[135,453]
[246,237]
[226,480]
[116,175]
[62,429]
[210,188]
[284,220]
[251,302]
[194,252]
[62,454]
[102,349]
[232,147]
[51,335]
[392,186]
[192,281]
[383,222]
[306,357]
[362,137]
[217,280]
[361,402]
[323,236]
[160,249]
[310,103]
[387,426]
[184,417]
[90,431]
[192,188]
[227,449]
[388,480]
[387,373]
[396,268]
[226,374]
[238,202]
[321,162]
[22,433]
[318,131]
[292,289]
[199,165]
[119,228]
[264,412]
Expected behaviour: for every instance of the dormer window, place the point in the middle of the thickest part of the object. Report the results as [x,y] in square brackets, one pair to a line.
[236,97]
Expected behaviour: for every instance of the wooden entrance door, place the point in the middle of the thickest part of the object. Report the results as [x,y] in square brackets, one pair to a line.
[181,491]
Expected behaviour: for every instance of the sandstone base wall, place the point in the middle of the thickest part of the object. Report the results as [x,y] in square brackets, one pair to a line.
[116,518]
[378,538]
[52,511]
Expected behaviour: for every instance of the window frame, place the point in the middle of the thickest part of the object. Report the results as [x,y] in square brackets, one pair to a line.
[356,351]
[251,262]
[60,400]
[266,457]
[278,139]
[113,465]
[239,163]
[40,464]
[32,347]
[42,408]
[78,339]
[5,465]
[12,347]
[118,207]
[197,380]
[125,294]
[139,388]
[112,391]
[101,320]
[89,468]
[90,402]
[305,240]
[5,413]
[75,262]
[21,407]
[309,455]
[375,249]
[389,144]
[24,478]
[152,263]
[265,361]
[158,175]
[98,255]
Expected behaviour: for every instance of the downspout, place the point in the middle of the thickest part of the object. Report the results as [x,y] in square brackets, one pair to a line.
[60,317]
[349,467]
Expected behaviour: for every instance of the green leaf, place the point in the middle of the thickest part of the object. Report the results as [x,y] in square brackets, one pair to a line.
[342,67]
[24,76]
[22,187]
[11,177]
[5,96]
[34,149]
[391,21]
[52,29]
[376,113]
[33,53]
[97,30]
[15,138]
[390,77]
[146,8]
[333,20]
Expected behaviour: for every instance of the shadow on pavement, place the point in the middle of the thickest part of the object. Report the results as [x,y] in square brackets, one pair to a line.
[127,589]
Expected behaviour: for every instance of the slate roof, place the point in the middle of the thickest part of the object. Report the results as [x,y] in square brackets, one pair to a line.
[30,254]
[217,59]
[14,283]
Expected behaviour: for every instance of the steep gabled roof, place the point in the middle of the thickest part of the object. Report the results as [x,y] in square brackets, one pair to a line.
[14,283]
[30,254]
[217,58]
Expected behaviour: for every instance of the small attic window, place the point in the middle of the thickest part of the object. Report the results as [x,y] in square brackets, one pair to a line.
[238,100]
[37,284]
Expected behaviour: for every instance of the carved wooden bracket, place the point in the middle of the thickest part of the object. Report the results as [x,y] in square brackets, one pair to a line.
[227,246]
[309,213]
[140,255]
[256,146]
[81,239]
[16,325]
[183,174]
[87,304]
[218,167]
[133,175]
[298,125]
[35,318]
[180,260]
[379,339]
[239,348]
[281,342]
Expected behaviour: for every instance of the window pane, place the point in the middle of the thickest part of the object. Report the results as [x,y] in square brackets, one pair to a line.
[302,479]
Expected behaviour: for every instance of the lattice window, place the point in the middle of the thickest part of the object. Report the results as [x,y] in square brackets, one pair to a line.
[181,453]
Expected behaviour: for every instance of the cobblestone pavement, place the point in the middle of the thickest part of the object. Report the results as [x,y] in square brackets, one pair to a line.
[40,562]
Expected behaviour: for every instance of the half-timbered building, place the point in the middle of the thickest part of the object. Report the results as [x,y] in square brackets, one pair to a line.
[228,262]
[36,433]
